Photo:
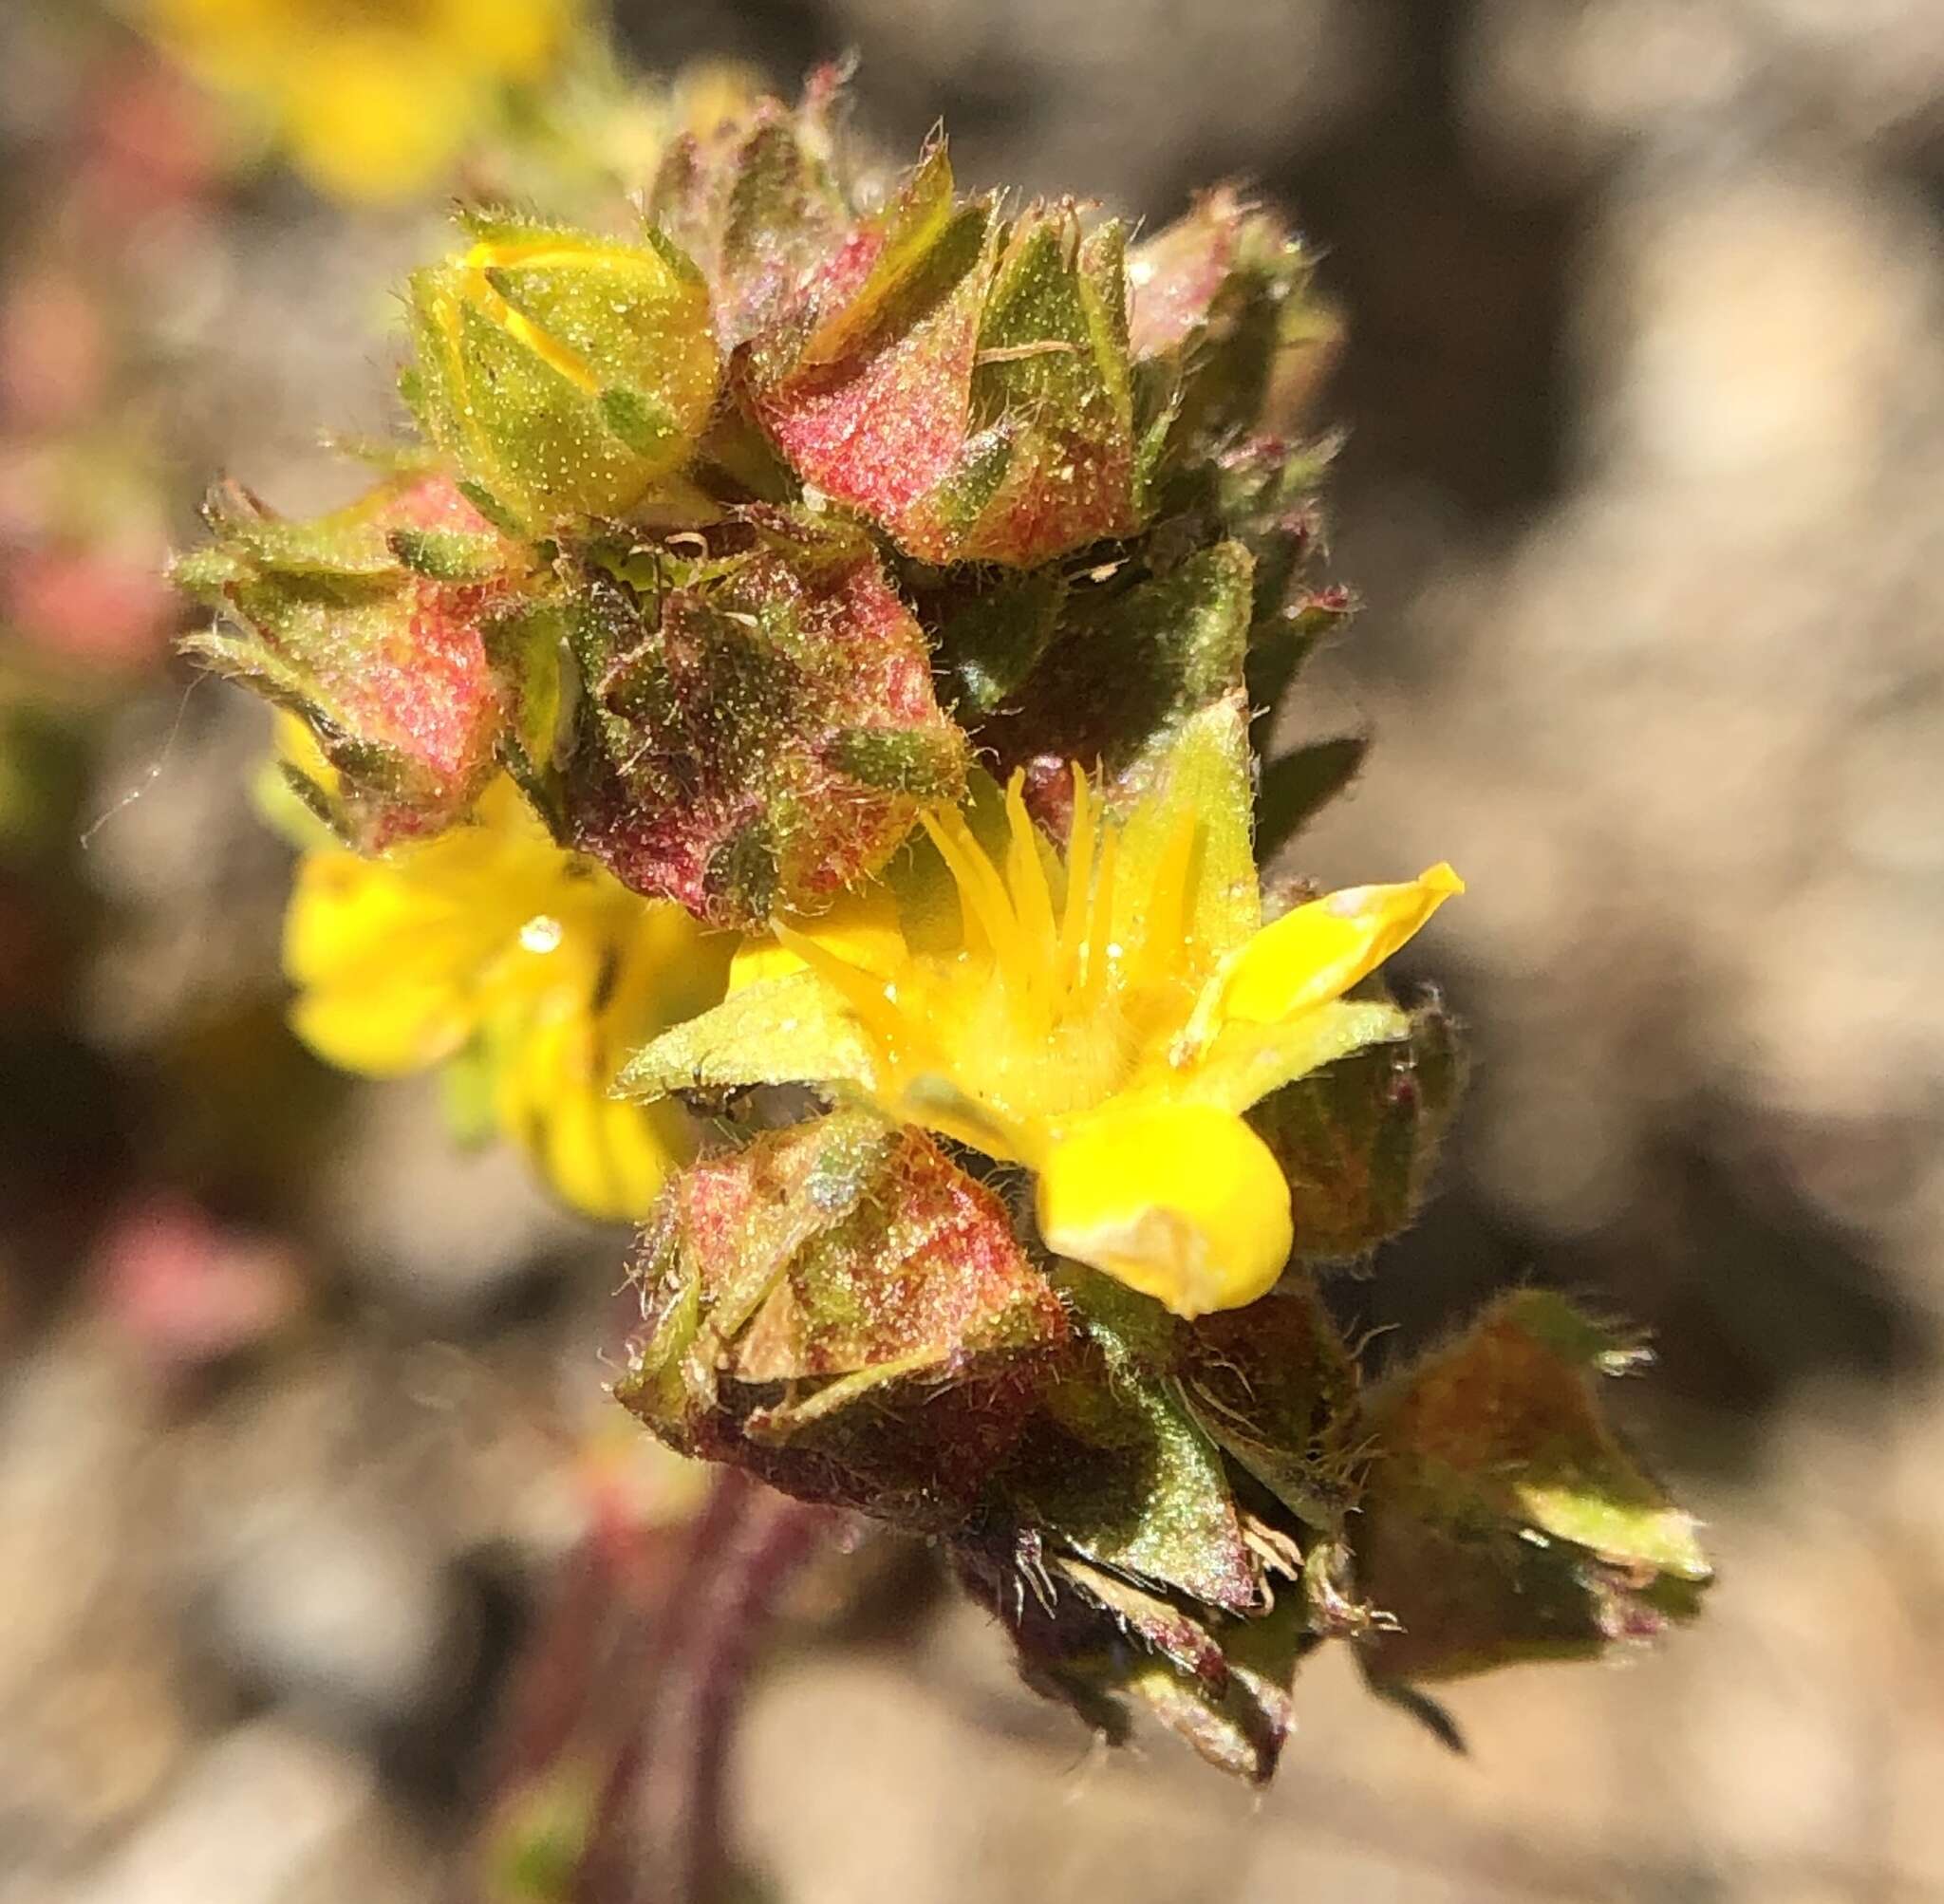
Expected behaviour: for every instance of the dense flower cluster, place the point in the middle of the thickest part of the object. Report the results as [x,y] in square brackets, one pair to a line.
[812,679]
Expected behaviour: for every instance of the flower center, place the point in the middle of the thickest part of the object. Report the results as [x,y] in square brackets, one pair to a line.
[1041,1014]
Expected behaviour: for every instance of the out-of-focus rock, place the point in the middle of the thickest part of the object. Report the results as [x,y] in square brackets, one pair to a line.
[191,872]
[1678,726]
[1550,85]
[429,1225]
[1285,74]
[334,1604]
[268,1816]
[93,1714]
[187,1292]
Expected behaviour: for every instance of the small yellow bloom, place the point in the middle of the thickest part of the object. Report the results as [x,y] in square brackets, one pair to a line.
[492,942]
[1103,1018]
[373,100]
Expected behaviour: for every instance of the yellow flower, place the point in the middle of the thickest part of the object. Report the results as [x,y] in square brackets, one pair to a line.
[1103,1018]
[492,942]
[372,97]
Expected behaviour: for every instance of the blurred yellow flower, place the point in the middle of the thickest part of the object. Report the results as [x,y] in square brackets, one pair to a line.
[1104,1019]
[373,99]
[492,943]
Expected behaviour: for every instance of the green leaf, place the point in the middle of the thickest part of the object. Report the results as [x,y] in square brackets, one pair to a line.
[1296,786]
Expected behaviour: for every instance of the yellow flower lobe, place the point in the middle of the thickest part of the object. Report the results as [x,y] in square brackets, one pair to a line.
[1182,1201]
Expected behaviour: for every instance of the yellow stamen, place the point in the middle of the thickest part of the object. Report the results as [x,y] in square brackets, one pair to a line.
[1026,876]
[1100,926]
[981,891]
[864,991]
[1073,928]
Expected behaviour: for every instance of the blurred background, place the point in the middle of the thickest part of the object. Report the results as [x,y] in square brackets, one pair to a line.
[300,1405]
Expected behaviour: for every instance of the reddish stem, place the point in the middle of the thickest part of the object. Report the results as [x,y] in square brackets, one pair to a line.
[659,1838]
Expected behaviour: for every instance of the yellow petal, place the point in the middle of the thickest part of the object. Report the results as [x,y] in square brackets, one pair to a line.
[1318,951]
[550,1097]
[671,969]
[558,1060]
[383,1031]
[379,962]
[369,115]
[610,1159]
[1185,890]
[516,38]
[1182,1201]
[1246,1062]
[225,43]
[353,921]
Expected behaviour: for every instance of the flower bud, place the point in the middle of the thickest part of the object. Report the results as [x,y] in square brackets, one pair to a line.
[1503,1518]
[563,374]
[757,201]
[1222,308]
[842,1311]
[759,728]
[959,378]
[369,623]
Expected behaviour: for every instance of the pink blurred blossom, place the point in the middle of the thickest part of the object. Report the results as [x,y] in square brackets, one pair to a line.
[187,1291]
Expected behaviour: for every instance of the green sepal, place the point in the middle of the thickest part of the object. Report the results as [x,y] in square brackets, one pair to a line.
[777,1031]
[367,624]
[447,555]
[990,641]
[1276,1386]
[756,726]
[1117,1468]
[1133,668]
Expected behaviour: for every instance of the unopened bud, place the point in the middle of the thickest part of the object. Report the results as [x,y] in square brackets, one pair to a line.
[563,374]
